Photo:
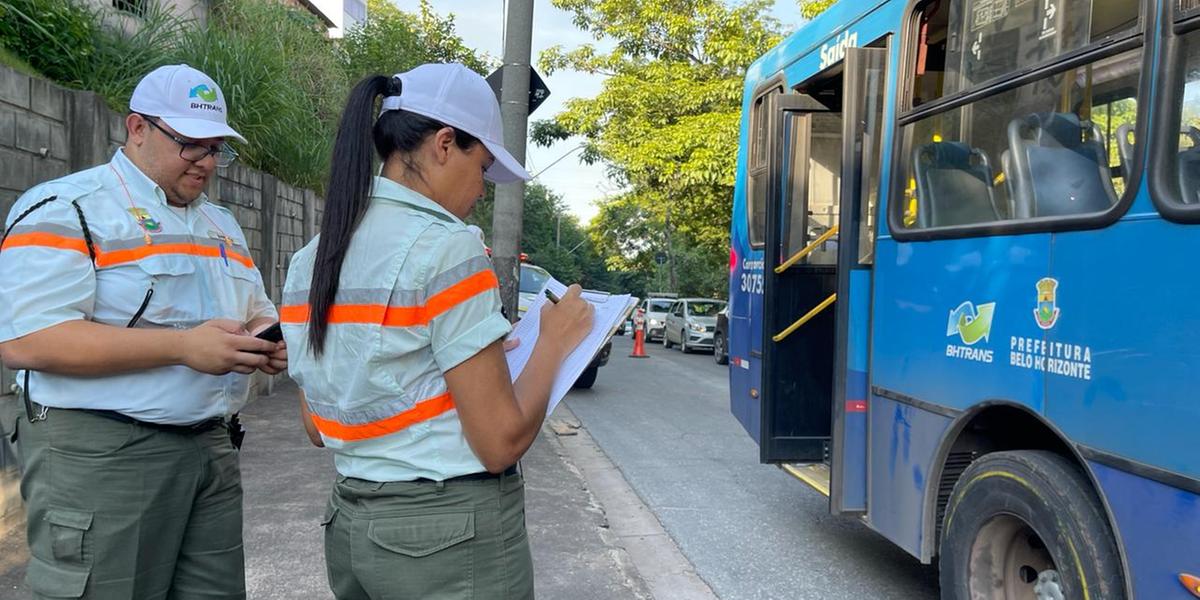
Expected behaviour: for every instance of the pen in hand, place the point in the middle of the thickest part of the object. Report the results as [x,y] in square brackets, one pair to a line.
[550,296]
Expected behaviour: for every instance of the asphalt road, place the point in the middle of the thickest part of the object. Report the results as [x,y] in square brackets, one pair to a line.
[749,530]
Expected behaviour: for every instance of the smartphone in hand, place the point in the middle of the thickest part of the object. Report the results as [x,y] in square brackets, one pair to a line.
[274,333]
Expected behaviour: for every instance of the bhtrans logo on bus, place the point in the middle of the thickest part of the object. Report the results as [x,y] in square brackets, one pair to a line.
[833,51]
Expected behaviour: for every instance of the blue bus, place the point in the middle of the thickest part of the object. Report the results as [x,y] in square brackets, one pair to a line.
[963,285]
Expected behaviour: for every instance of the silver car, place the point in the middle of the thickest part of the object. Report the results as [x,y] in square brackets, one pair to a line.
[655,310]
[691,323]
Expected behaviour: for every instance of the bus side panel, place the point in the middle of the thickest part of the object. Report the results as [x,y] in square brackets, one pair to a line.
[854,424]
[1124,311]
[904,440]
[745,293]
[941,318]
[931,337]
[744,375]
[1160,528]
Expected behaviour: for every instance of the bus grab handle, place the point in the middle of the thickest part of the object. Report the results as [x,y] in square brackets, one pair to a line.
[807,250]
[802,320]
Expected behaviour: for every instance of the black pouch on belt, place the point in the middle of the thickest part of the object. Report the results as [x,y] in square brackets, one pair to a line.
[237,433]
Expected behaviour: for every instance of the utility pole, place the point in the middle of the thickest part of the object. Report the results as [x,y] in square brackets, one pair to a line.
[514,109]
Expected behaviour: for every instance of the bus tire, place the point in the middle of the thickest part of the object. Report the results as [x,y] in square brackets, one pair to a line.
[1021,519]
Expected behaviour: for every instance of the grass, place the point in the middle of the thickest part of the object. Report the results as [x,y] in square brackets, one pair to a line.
[8,59]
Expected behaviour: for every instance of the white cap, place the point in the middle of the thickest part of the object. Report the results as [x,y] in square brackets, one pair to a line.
[186,99]
[457,96]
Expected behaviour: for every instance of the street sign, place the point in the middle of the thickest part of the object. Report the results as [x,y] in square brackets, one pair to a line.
[660,258]
[538,92]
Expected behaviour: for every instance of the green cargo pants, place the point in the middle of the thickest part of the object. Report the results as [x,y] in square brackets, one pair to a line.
[458,540]
[120,510]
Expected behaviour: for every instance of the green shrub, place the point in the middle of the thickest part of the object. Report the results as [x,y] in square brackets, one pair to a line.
[283,80]
[89,48]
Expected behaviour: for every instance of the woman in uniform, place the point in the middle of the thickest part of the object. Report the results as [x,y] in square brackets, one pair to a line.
[393,317]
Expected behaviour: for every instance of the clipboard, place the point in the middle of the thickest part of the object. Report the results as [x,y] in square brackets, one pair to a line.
[608,318]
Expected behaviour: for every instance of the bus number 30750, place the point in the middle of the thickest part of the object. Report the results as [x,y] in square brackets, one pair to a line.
[752,283]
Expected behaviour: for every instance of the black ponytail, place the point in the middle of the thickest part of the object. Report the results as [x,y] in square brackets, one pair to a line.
[351,169]
[346,201]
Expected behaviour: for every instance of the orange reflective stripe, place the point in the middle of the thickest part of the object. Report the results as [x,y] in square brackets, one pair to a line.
[293,314]
[399,316]
[423,411]
[116,257]
[455,295]
[45,240]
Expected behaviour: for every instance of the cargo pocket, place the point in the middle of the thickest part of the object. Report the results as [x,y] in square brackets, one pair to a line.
[48,580]
[330,514]
[425,555]
[67,529]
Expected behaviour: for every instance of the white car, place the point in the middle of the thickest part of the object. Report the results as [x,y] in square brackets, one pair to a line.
[655,311]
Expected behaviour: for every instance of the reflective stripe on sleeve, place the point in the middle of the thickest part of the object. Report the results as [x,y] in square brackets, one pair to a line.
[423,411]
[45,240]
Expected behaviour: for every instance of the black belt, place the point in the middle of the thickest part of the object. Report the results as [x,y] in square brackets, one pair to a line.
[484,476]
[194,429]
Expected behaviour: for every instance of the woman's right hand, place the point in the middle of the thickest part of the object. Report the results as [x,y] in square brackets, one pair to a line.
[567,322]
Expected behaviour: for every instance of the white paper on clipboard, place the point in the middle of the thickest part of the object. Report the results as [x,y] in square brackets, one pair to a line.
[609,311]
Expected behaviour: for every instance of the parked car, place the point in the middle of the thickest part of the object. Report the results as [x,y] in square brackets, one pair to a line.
[691,323]
[533,279]
[721,337]
[655,311]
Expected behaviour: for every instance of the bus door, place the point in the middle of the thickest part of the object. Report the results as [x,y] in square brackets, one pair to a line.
[820,241]
[865,92]
[798,334]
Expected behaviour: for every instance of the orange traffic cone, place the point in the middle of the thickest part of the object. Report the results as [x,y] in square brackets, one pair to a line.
[639,345]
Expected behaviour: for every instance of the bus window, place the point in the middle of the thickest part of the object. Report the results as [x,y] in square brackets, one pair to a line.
[962,44]
[756,181]
[1187,164]
[1050,148]
[809,217]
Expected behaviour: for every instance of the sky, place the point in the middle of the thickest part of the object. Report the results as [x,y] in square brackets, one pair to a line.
[480,23]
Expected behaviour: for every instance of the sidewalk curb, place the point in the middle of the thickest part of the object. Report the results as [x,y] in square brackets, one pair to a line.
[645,551]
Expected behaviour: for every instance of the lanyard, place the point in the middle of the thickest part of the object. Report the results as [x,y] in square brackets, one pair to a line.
[148,224]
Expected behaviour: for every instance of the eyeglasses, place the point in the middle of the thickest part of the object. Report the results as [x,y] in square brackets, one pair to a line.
[193,152]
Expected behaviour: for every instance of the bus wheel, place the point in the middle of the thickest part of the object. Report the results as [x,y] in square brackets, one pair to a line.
[1027,525]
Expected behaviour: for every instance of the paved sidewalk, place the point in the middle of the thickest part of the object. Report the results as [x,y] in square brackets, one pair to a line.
[287,482]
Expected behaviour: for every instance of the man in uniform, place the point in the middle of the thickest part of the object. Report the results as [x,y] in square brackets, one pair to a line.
[128,300]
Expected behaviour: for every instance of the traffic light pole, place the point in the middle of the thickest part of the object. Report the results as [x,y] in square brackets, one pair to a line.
[514,109]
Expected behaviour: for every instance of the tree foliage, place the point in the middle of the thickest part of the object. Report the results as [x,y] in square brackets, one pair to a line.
[812,8]
[665,122]
[393,41]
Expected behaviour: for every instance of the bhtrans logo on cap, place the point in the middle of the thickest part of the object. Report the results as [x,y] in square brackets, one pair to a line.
[208,95]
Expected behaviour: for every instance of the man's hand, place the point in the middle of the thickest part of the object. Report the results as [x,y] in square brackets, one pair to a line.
[277,362]
[222,345]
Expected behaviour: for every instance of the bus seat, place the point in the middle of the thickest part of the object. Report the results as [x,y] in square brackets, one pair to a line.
[1060,167]
[1189,168]
[954,185]
[1125,147]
